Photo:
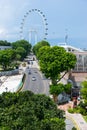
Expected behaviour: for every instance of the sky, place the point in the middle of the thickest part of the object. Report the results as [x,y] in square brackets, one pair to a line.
[64,17]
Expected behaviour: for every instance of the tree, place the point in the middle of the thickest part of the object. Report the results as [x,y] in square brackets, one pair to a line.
[39,45]
[6,58]
[21,51]
[74,128]
[18,57]
[55,60]
[41,52]
[67,88]
[26,111]
[22,43]
[84,91]
[55,90]
[4,43]
[53,124]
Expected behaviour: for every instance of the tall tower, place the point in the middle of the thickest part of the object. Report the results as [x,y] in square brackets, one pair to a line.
[66,36]
[33,36]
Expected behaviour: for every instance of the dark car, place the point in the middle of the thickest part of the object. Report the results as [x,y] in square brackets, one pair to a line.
[29,72]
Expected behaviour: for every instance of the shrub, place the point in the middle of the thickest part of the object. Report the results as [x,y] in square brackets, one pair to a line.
[74,128]
[24,64]
[71,110]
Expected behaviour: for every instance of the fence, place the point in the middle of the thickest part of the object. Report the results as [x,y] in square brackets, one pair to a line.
[8,73]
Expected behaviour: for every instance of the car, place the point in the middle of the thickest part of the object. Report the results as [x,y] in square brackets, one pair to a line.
[29,72]
[28,67]
[33,78]
[28,62]
[35,71]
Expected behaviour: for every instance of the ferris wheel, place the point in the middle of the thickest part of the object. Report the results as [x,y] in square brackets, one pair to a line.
[29,28]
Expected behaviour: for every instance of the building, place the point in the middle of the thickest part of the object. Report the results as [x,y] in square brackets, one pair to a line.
[70,48]
[81,55]
[79,73]
[5,47]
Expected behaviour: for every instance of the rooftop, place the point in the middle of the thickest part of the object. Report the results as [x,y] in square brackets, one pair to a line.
[70,48]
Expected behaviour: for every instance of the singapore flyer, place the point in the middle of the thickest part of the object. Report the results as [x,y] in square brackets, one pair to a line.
[34,26]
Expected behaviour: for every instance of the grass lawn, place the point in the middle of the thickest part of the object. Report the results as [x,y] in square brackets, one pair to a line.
[85,117]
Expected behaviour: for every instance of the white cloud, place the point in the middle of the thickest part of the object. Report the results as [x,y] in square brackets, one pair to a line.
[9,35]
[59,13]
[3,33]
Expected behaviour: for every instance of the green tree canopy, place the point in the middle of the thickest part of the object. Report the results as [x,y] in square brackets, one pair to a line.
[55,90]
[39,45]
[22,43]
[26,111]
[21,51]
[4,43]
[67,88]
[53,124]
[6,58]
[54,60]
[84,91]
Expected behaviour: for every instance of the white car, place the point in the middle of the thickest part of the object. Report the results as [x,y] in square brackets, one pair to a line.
[33,78]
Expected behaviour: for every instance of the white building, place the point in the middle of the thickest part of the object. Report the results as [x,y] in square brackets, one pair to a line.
[5,47]
[81,55]
[70,48]
[79,73]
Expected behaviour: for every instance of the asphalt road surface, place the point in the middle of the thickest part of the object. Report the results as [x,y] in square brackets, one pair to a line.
[40,85]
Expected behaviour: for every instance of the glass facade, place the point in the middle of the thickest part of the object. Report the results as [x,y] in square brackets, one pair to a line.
[81,65]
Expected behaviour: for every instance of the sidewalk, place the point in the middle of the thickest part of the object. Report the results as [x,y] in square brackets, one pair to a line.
[78,120]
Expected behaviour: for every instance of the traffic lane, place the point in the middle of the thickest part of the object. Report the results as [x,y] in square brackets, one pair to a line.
[27,80]
[36,86]
[39,86]
[26,83]
[42,82]
[46,83]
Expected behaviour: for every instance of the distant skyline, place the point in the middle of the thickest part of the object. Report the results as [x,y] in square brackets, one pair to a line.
[64,17]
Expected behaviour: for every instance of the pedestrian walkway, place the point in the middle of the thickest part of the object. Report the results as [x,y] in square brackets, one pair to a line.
[80,123]
[77,118]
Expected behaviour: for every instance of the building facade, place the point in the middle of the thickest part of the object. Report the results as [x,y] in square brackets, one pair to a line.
[5,47]
[81,55]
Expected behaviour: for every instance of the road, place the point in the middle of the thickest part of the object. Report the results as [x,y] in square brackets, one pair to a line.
[40,85]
